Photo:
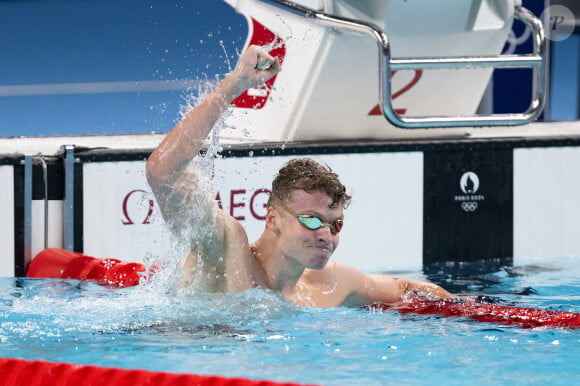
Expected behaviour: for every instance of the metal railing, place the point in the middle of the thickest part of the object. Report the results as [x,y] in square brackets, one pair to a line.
[69,198]
[28,163]
[536,61]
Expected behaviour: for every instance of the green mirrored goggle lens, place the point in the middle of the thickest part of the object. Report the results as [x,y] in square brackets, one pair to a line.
[310,222]
[313,223]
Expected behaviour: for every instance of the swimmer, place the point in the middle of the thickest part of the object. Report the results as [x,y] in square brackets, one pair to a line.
[304,218]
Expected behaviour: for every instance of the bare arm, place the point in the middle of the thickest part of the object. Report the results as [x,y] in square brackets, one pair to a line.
[167,164]
[366,289]
[183,143]
[402,288]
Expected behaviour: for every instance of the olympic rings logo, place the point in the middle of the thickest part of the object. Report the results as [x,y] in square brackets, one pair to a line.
[469,206]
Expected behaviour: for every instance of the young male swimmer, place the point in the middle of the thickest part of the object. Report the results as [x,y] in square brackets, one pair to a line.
[303,219]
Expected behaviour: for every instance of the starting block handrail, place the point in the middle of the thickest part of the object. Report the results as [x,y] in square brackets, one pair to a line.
[536,61]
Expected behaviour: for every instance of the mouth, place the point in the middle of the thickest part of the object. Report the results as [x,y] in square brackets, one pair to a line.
[323,247]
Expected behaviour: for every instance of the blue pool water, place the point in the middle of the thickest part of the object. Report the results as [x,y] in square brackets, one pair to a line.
[258,335]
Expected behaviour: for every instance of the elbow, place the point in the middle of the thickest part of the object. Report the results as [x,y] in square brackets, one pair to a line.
[154,171]
[151,169]
[163,169]
[428,289]
[405,288]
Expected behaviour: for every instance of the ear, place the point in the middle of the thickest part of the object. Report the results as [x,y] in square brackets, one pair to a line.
[272,218]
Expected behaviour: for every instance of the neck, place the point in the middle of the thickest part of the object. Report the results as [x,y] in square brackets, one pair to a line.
[282,272]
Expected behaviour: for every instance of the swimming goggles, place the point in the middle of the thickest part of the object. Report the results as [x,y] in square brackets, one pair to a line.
[310,221]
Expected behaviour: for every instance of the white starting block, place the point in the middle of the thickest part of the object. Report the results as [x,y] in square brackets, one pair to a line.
[342,74]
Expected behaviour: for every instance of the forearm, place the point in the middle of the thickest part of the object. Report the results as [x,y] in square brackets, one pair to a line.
[183,143]
[185,140]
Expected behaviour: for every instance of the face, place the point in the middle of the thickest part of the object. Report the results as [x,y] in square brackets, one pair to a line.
[310,248]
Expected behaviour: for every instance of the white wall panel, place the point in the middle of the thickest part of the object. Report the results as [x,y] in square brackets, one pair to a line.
[116,205]
[383,226]
[7,223]
[546,202]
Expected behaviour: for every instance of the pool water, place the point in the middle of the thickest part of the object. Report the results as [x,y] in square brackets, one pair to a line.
[258,335]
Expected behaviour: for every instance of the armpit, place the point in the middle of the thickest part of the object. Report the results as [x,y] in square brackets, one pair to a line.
[189,209]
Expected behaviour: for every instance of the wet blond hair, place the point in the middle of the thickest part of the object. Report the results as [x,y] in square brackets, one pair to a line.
[310,176]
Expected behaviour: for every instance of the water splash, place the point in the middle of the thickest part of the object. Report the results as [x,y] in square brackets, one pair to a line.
[50,309]
[227,58]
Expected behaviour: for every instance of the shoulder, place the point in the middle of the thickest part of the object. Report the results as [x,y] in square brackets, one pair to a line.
[354,287]
[230,227]
[343,276]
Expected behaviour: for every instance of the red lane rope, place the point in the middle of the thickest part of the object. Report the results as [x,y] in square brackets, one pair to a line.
[19,372]
[517,316]
[62,264]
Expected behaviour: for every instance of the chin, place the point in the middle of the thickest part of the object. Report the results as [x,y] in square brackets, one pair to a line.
[319,262]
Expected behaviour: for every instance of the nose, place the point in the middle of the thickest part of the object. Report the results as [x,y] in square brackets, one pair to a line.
[328,238]
[325,233]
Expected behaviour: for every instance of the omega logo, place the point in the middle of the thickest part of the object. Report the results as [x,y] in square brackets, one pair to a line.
[128,219]
[138,206]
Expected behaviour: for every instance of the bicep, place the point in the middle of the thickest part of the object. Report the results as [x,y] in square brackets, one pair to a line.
[365,289]
[387,289]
